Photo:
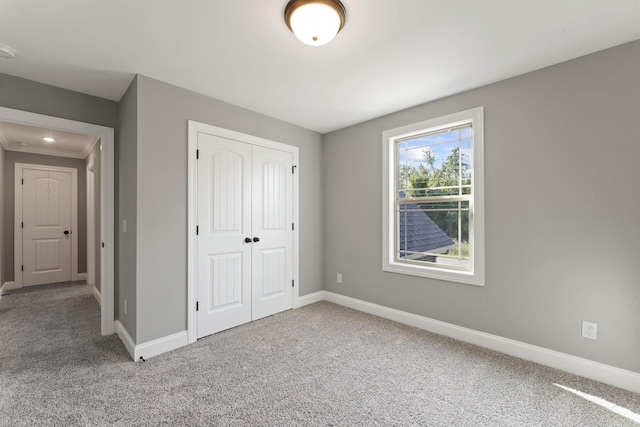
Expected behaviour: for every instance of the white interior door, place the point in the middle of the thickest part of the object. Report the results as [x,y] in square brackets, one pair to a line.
[224,222]
[46,232]
[272,220]
[245,237]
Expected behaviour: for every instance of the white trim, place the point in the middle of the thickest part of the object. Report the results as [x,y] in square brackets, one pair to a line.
[125,338]
[192,218]
[91,225]
[82,277]
[151,348]
[295,152]
[107,218]
[96,294]
[617,377]
[476,233]
[47,152]
[7,286]
[89,147]
[310,299]
[160,345]
[107,204]
[18,216]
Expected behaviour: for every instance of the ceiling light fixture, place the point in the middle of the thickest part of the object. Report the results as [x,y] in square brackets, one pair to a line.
[48,139]
[315,22]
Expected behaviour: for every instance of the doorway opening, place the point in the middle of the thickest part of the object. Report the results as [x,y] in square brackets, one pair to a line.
[102,266]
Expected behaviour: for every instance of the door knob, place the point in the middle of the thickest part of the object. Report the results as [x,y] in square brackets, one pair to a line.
[247,240]
[256,239]
[66,231]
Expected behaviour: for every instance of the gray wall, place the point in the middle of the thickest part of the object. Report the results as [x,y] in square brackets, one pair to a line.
[163,111]
[13,157]
[27,95]
[2,226]
[94,158]
[127,156]
[562,235]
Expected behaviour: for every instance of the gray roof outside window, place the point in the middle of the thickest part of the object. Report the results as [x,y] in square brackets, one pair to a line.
[422,234]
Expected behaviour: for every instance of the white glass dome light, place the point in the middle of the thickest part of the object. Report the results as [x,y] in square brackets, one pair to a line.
[315,22]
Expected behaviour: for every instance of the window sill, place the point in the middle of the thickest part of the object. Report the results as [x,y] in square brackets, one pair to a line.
[468,278]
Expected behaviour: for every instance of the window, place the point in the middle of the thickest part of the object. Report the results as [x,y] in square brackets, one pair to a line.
[433,198]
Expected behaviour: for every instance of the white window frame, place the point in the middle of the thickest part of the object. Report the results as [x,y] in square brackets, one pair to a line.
[475,276]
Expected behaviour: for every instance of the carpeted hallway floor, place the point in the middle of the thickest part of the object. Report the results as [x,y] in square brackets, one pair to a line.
[321,365]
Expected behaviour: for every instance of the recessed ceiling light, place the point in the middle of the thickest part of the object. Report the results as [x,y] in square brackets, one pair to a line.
[6,52]
[48,139]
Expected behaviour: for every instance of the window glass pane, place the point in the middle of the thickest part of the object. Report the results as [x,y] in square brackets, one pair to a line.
[436,164]
[434,233]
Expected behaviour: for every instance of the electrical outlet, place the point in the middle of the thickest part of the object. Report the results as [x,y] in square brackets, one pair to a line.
[125,306]
[589,330]
[339,278]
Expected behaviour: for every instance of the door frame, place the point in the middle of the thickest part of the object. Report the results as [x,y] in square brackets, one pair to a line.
[107,204]
[91,226]
[194,128]
[18,212]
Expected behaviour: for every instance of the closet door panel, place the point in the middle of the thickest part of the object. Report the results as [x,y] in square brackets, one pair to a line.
[272,219]
[224,222]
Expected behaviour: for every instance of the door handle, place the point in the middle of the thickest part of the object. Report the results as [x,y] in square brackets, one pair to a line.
[256,239]
[66,231]
[247,240]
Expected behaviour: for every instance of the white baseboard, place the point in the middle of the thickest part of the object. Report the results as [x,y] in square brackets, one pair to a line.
[82,276]
[7,286]
[161,345]
[617,377]
[309,299]
[151,348]
[96,294]
[126,339]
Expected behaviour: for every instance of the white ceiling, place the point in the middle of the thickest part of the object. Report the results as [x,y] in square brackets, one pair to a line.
[28,139]
[391,54]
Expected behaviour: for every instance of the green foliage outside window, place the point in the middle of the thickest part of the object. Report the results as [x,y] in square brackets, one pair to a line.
[451,177]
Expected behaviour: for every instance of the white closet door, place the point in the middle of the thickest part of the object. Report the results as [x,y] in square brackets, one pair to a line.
[272,255]
[46,217]
[224,220]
